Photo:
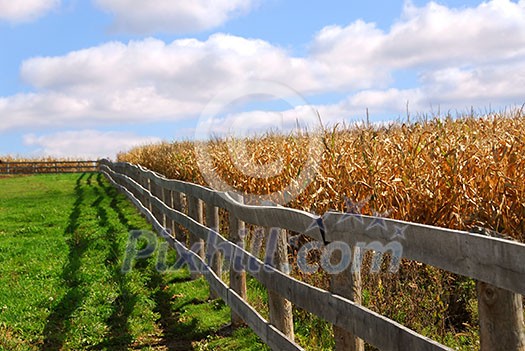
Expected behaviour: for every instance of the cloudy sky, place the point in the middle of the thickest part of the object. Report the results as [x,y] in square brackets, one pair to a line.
[88,78]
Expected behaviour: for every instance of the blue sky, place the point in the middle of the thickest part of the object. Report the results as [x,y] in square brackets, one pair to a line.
[89,78]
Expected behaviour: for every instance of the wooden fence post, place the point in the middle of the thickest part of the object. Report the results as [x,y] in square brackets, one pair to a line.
[347,284]
[237,274]
[138,179]
[147,185]
[501,325]
[281,311]
[153,189]
[500,319]
[158,212]
[195,212]
[176,228]
[155,209]
[212,222]
[142,181]
[134,174]
[162,197]
[168,200]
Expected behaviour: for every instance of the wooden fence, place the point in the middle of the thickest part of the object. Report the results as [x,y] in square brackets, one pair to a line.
[30,167]
[497,264]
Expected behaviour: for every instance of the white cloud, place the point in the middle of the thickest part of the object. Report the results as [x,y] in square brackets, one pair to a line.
[177,16]
[462,57]
[146,80]
[502,83]
[185,68]
[428,37]
[25,10]
[85,144]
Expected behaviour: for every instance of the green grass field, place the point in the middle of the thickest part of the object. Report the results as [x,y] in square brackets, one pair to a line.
[62,242]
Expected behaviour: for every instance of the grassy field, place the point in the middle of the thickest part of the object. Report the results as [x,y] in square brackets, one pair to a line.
[62,241]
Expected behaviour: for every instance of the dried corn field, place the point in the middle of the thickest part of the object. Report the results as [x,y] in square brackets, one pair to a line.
[455,173]
[458,173]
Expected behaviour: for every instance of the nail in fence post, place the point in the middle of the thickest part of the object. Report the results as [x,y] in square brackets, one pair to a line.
[347,284]
[237,276]
[281,315]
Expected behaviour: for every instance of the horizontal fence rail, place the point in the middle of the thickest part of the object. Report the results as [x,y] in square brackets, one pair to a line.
[495,262]
[492,260]
[30,167]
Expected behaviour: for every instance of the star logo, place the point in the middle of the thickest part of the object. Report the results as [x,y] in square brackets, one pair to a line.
[377,222]
[356,216]
[400,232]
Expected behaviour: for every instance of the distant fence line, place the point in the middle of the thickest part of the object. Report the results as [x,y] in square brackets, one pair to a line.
[44,167]
[171,205]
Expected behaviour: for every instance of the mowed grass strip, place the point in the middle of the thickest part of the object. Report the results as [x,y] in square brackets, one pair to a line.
[62,243]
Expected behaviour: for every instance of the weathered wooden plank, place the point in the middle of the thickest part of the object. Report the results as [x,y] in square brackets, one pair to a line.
[237,272]
[213,257]
[168,200]
[195,212]
[177,205]
[492,260]
[280,309]
[500,319]
[155,192]
[346,284]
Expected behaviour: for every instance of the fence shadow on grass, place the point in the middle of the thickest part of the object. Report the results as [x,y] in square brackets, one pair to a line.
[58,321]
[112,193]
[176,335]
[119,336]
